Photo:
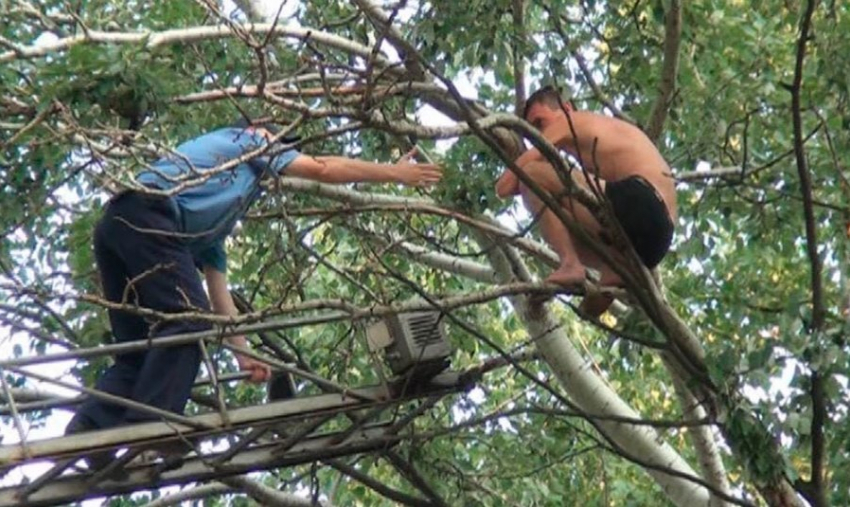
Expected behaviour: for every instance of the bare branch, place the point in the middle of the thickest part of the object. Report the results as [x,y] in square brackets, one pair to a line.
[816,487]
[378,486]
[268,496]
[408,470]
[517,49]
[186,36]
[192,493]
[388,202]
[818,309]
[672,40]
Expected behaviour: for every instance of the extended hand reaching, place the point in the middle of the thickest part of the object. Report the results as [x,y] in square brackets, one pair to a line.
[417,175]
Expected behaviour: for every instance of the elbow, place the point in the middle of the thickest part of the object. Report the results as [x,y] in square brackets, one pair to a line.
[327,171]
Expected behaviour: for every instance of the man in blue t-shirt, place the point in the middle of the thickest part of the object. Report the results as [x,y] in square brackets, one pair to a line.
[148,248]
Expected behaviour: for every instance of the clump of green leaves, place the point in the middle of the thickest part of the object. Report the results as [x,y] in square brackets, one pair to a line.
[129,82]
[469,178]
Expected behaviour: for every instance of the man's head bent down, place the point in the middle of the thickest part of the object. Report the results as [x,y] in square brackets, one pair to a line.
[543,105]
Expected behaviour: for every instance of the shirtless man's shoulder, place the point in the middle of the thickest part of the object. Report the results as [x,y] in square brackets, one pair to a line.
[616,150]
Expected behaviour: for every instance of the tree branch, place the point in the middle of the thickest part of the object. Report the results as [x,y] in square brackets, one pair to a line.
[816,487]
[378,486]
[266,495]
[409,472]
[590,393]
[672,40]
[818,309]
[187,36]
[517,51]
[703,439]
[202,491]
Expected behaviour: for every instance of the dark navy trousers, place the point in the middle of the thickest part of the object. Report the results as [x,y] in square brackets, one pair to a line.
[142,262]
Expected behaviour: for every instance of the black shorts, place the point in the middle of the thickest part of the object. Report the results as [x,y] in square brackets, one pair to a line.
[644,217]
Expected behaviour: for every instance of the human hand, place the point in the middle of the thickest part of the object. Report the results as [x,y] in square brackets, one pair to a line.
[416,175]
[260,371]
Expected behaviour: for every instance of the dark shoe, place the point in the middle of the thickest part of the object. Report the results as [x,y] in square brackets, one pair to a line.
[79,424]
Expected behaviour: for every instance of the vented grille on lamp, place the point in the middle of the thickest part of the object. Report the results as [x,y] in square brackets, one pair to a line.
[417,340]
[424,327]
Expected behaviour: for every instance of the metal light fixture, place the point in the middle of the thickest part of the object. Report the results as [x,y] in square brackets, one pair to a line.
[414,343]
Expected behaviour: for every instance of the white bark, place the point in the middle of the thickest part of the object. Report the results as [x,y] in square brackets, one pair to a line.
[178,498]
[704,442]
[483,223]
[592,395]
[186,36]
[576,375]
[253,10]
[269,496]
[449,263]
[583,386]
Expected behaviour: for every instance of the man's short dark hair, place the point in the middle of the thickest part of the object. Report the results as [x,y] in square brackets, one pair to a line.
[548,96]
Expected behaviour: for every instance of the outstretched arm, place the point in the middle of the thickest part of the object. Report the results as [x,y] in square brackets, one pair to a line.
[335,169]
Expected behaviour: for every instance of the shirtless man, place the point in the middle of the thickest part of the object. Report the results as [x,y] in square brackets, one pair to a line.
[622,163]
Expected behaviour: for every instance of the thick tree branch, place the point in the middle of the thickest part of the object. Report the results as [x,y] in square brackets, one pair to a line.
[378,486]
[672,40]
[703,440]
[266,495]
[517,53]
[186,36]
[590,393]
[818,308]
[816,487]
[444,262]
[202,491]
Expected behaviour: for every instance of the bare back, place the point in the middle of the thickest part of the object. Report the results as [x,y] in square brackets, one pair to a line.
[615,150]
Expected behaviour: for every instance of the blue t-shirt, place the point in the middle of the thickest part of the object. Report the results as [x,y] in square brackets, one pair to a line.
[208,211]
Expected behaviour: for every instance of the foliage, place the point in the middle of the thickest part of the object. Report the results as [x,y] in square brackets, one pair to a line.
[739,273]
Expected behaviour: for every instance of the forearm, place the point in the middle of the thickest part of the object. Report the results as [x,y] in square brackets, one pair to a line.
[222,302]
[349,170]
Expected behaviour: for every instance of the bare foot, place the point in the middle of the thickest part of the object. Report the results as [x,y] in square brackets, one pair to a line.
[568,276]
[594,305]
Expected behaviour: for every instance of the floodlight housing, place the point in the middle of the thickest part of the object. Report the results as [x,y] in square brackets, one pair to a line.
[413,342]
